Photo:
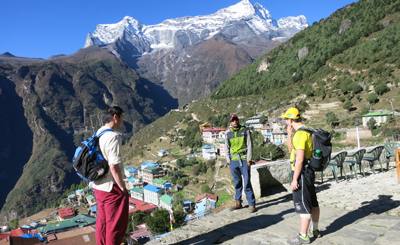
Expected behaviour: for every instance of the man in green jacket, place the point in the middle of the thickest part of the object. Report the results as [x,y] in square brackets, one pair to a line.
[239,157]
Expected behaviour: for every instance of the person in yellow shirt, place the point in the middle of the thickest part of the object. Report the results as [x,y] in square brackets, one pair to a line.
[300,146]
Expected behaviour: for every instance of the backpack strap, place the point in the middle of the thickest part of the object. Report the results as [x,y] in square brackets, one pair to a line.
[103,132]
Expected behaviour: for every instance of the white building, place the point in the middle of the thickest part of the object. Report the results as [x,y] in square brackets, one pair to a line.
[256,122]
[209,152]
[152,194]
[380,117]
[274,133]
[162,153]
[166,202]
[212,135]
[137,193]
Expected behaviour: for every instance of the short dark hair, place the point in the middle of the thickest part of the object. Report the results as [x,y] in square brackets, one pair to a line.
[110,112]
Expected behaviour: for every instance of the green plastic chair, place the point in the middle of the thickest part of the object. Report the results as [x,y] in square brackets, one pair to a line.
[390,149]
[336,163]
[372,156]
[354,159]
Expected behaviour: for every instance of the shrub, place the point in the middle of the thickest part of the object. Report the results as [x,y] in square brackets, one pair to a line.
[373,98]
[158,222]
[332,119]
[381,88]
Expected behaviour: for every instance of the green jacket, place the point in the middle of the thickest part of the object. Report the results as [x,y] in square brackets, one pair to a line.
[238,143]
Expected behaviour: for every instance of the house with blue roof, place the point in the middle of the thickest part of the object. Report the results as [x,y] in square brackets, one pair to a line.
[205,203]
[132,182]
[188,206]
[148,164]
[209,152]
[162,183]
[130,171]
[93,210]
[152,194]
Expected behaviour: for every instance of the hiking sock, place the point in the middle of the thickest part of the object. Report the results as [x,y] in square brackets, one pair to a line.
[314,226]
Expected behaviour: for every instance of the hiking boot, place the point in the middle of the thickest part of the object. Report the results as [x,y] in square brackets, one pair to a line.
[252,209]
[316,234]
[299,239]
[238,205]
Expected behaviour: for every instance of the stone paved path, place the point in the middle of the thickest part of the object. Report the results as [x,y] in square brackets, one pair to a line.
[363,211]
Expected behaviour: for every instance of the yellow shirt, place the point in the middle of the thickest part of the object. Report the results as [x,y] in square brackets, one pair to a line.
[302,140]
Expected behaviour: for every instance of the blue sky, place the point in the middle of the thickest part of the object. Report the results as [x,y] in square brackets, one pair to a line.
[41,28]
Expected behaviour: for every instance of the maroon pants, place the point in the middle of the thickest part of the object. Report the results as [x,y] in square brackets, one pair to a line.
[112,216]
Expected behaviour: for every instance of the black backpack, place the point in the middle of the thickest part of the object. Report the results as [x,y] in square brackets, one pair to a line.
[88,161]
[322,148]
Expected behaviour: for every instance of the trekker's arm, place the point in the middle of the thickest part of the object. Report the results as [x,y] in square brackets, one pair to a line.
[228,148]
[117,175]
[249,145]
[297,169]
[115,161]
[289,131]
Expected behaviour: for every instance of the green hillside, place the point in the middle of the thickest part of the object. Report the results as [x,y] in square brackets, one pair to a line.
[346,64]
[354,48]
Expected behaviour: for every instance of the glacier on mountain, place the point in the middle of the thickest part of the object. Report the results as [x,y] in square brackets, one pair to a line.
[185,31]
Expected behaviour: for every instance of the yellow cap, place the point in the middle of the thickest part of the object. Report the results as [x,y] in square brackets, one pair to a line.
[291,113]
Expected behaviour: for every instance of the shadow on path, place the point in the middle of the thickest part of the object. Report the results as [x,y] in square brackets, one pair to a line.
[238,228]
[380,205]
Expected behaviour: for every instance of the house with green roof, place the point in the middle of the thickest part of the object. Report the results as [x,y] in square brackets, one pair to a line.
[166,202]
[380,116]
[152,172]
[68,224]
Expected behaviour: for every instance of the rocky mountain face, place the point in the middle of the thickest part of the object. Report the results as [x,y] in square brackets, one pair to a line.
[176,53]
[49,106]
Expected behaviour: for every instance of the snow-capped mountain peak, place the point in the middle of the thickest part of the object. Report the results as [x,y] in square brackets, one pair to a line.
[244,9]
[109,33]
[186,31]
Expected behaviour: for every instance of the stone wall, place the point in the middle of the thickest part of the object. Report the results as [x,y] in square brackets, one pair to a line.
[269,177]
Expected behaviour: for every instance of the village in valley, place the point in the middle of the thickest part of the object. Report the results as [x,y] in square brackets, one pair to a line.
[151,189]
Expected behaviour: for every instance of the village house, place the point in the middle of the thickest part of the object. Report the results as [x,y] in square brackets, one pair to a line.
[137,193]
[150,173]
[256,122]
[130,171]
[274,133]
[136,205]
[222,150]
[162,183]
[91,200]
[72,199]
[148,164]
[166,202]
[141,234]
[80,195]
[68,224]
[132,182]
[188,206]
[65,213]
[80,235]
[93,210]
[205,203]
[380,117]
[209,152]
[162,153]
[152,194]
[212,135]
